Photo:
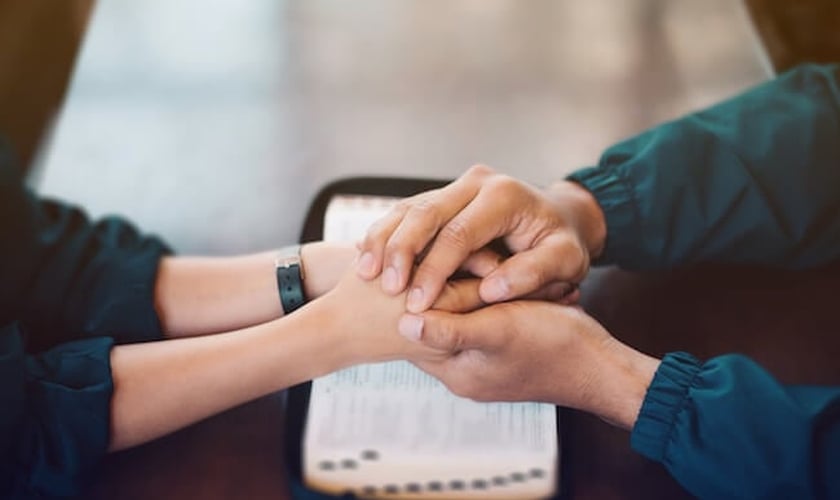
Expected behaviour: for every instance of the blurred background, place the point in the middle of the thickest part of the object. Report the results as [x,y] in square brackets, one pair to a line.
[214,123]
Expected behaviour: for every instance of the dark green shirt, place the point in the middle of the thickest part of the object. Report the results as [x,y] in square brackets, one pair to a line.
[754,180]
[69,289]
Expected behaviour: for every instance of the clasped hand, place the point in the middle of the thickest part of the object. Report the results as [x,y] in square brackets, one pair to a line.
[512,348]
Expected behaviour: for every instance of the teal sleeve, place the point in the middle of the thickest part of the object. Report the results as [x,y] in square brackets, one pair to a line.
[753,180]
[67,277]
[54,423]
[727,429]
[69,289]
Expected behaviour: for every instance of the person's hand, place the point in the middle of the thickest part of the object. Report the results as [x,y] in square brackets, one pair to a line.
[534,351]
[553,233]
[367,318]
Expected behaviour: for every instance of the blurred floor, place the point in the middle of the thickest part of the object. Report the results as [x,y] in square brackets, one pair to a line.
[214,122]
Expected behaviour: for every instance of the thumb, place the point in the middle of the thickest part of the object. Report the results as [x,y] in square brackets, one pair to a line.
[452,332]
[554,259]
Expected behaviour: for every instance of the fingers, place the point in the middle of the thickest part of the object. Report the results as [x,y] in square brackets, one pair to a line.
[391,245]
[483,329]
[473,227]
[555,259]
[571,299]
[459,296]
[485,261]
[369,265]
[558,291]
[482,262]
[418,227]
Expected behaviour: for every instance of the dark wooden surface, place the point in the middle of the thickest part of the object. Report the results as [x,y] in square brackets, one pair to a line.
[216,130]
[786,321]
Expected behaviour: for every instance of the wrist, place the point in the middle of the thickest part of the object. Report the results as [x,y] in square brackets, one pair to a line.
[361,322]
[624,377]
[324,264]
[318,322]
[586,213]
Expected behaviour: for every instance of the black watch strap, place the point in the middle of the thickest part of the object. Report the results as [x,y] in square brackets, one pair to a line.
[289,268]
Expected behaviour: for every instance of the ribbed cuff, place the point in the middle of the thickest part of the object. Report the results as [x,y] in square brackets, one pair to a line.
[616,201]
[663,402]
[121,300]
[69,406]
[55,422]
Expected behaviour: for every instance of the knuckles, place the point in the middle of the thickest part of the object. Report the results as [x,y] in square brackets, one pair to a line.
[395,247]
[423,210]
[573,257]
[456,234]
[377,232]
[504,185]
[479,171]
[448,337]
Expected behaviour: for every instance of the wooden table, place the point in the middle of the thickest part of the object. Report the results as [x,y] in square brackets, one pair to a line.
[215,123]
[786,321]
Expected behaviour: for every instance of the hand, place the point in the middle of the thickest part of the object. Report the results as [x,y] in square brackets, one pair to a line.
[366,319]
[535,351]
[553,234]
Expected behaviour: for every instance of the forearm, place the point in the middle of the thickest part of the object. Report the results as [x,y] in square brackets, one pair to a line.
[81,399]
[200,295]
[160,387]
[618,386]
[752,180]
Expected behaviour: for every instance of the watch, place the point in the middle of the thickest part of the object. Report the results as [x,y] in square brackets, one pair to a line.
[289,269]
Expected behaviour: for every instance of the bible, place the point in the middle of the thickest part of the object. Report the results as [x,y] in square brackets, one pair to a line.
[389,430]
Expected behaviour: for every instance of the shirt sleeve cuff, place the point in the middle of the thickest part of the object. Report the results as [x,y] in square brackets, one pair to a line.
[665,398]
[60,406]
[617,202]
[121,303]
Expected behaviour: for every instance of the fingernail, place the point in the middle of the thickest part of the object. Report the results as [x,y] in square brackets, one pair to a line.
[495,289]
[390,280]
[410,326]
[415,300]
[366,264]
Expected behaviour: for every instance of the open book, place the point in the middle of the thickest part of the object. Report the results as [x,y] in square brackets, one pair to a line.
[388,430]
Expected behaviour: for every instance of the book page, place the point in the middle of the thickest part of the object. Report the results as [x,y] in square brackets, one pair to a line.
[388,430]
